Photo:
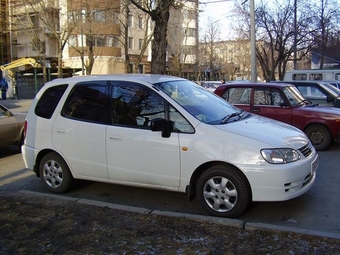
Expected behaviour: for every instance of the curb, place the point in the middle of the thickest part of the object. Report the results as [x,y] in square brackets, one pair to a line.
[249,226]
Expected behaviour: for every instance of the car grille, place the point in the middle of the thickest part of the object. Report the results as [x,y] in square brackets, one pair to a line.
[306,150]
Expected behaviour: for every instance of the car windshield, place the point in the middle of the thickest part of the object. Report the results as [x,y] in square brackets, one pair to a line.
[294,96]
[200,103]
[331,89]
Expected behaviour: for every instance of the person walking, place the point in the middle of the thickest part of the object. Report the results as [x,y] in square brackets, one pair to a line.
[4,88]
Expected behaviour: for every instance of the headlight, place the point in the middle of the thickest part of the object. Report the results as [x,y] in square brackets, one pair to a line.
[280,156]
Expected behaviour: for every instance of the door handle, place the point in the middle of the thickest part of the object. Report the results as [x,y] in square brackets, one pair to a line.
[255,109]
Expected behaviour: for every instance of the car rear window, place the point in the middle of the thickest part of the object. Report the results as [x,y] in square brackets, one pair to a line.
[49,101]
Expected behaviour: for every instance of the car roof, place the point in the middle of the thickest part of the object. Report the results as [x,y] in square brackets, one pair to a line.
[148,78]
[303,82]
[256,84]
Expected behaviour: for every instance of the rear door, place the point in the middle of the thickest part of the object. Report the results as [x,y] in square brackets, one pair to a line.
[79,131]
[238,96]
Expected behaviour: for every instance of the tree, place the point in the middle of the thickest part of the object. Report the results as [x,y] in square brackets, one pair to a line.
[141,30]
[50,17]
[39,21]
[159,13]
[208,54]
[326,18]
[275,31]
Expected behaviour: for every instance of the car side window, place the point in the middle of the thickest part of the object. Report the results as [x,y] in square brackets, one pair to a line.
[87,102]
[134,105]
[2,112]
[180,124]
[266,96]
[311,91]
[49,101]
[237,95]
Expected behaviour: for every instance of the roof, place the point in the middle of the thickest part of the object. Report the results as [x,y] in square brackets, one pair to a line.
[148,78]
[256,84]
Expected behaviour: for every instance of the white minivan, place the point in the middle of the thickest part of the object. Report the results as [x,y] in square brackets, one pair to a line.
[164,132]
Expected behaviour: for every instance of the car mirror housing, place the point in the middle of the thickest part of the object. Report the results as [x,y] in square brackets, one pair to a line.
[159,124]
[329,98]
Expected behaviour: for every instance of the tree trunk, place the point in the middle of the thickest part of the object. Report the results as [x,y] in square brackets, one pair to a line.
[159,43]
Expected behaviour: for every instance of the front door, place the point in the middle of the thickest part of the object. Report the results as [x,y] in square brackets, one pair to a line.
[135,154]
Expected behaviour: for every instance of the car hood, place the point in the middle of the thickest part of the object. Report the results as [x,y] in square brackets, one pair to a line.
[320,109]
[268,131]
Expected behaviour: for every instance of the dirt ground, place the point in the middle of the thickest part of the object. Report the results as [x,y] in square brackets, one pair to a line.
[42,225]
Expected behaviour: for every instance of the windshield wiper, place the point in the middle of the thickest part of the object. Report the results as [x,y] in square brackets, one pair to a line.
[228,117]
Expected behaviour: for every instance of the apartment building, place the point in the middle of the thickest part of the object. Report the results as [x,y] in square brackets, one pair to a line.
[95,36]
[229,60]
[5,49]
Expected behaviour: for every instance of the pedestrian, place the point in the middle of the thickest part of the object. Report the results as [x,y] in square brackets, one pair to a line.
[223,81]
[4,88]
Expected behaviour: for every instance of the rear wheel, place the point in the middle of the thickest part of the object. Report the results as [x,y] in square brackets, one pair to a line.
[55,174]
[223,191]
[320,137]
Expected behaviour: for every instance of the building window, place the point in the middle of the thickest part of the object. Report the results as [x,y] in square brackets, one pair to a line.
[189,50]
[140,68]
[140,22]
[130,42]
[115,18]
[190,32]
[72,40]
[140,44]
[130,20]
[112,41]
[35,22]
[100,40]
[99,16]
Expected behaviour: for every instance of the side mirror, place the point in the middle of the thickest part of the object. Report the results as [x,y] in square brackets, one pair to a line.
[329,98]
[163,125]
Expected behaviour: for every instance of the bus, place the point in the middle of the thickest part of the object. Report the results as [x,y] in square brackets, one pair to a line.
[312,75]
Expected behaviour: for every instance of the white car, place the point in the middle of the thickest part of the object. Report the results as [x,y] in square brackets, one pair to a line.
[211,85]
[164,132]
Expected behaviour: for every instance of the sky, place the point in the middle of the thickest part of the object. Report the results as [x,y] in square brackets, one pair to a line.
[215,10]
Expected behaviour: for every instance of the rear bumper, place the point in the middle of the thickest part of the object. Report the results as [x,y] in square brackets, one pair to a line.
[29,155]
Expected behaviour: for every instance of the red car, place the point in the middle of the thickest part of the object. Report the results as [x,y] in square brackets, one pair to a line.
[285,103]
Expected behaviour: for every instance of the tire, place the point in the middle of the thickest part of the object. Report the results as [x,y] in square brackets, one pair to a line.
[320,137]
[55,174]
[223,191]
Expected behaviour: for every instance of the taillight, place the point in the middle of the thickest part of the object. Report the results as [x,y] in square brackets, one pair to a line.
[25,128]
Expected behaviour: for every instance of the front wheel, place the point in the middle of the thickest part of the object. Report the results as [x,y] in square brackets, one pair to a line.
[319,136]
[54,173]
[223,191]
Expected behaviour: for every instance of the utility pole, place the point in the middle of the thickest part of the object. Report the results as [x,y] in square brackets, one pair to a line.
[295,33]
[253,42]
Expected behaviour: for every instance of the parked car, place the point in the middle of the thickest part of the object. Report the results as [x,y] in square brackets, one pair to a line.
[318,92]
[284,102]
[11,127]
[334,83]
[164,132]
[211,85]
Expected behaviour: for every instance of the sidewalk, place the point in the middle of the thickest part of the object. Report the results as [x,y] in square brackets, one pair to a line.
[15,105]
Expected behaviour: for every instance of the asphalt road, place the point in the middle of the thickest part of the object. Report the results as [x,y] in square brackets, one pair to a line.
[317,210]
